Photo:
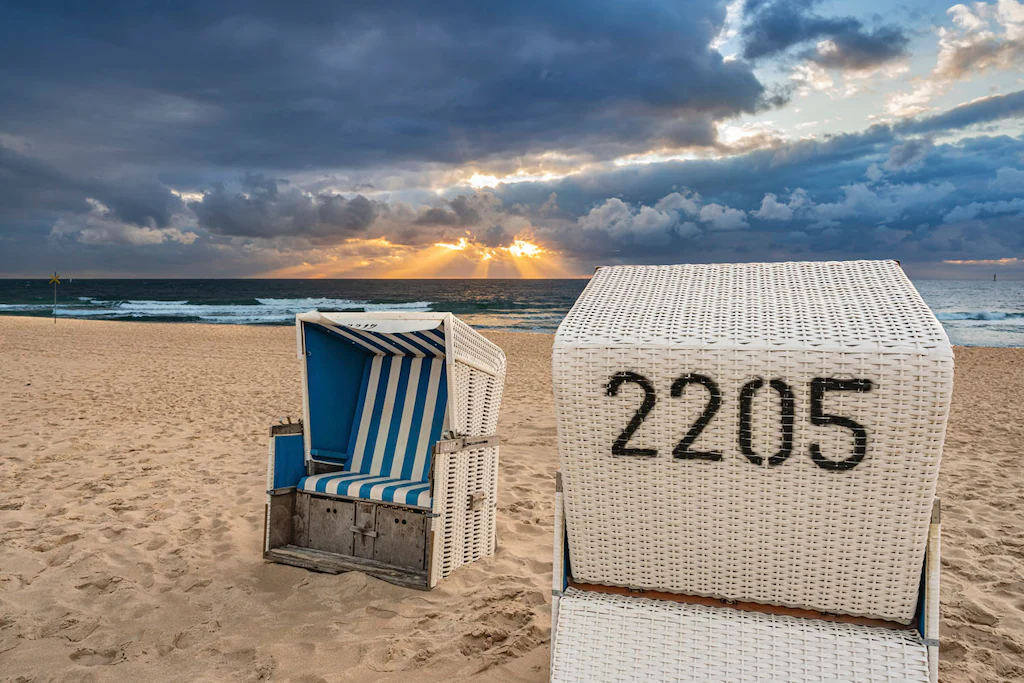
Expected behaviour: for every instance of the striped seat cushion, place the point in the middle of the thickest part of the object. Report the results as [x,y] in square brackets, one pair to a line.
[369,487]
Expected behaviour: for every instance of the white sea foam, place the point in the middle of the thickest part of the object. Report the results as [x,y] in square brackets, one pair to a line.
[264,311]
[956,316]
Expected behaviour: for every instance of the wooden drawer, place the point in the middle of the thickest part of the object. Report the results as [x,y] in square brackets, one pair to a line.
[330,525]
[401,537]
[391,536]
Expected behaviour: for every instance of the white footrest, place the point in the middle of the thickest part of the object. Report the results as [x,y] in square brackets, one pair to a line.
[602,637]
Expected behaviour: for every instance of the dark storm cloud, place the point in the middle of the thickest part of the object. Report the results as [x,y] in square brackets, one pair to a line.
[258,85]
[29,186]
[463,210]
[494,236]
[261,209]
[773,26]
[874,194]
[984,110]
[908,154]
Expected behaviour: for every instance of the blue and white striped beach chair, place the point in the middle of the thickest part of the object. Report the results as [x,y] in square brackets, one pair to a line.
[395,470]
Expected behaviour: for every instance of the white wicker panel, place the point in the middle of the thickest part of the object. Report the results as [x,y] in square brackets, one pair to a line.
[453,521]
[479,394]
[270,463]
[465,534]
[602,637]
[839,304]
[442,479]
[472,346]
[791,534]
[481,476]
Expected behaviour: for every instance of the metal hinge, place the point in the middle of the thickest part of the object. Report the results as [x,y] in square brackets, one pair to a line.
[463,443]
[365,532]
[477,500]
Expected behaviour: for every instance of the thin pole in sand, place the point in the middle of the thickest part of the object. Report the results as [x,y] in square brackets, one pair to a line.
[55,280]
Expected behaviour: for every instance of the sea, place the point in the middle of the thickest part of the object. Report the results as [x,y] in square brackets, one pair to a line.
[974,312]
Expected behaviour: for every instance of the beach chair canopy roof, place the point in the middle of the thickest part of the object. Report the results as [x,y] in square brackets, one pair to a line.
[386,336]
[800,305]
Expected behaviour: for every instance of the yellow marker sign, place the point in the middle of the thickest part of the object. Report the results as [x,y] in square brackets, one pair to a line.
[55,280]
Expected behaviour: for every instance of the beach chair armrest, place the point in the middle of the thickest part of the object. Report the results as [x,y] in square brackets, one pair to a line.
[559,566]
[286,429]
[466,443]
[286,458]
[932,568]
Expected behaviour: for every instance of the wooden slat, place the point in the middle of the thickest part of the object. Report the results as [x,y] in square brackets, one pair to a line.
[742,606]
[332,563]
[282,508]
[300,520]
[330,525]
[366,520]
[401,538]
[286,429]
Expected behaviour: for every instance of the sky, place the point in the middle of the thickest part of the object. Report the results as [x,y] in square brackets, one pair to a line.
[512,139]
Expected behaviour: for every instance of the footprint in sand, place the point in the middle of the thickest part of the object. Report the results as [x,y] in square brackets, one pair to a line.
[89,657]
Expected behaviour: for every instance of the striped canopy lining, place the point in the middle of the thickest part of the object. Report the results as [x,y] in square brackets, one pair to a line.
[400,414]
[426,343]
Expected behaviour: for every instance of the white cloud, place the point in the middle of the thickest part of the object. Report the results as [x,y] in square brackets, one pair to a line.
[975,209]
[810,77]
[984,36]
[774,210]
[644,225]
[688,202]
[1008,180]
[723,218]
[884,201]
[656,225]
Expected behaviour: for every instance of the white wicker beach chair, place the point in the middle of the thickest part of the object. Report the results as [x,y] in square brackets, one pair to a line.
[394,469]
[749,456]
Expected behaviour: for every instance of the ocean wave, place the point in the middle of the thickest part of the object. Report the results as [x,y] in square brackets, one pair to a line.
[956,316]
[267,311]
[325,304]
[25,308]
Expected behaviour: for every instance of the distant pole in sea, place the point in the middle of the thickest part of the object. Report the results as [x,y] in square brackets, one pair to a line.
[55,280]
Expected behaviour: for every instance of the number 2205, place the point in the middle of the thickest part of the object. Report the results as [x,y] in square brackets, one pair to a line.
[683,450]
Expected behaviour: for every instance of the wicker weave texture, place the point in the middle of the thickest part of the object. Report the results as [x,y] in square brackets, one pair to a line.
[473,347]
[792,533]
[464,532]
[840,304]
[602,637]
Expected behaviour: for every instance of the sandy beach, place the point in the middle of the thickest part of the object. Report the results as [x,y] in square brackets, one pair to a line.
[132,477]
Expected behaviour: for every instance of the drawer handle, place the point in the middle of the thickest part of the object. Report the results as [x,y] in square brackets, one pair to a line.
[365,532]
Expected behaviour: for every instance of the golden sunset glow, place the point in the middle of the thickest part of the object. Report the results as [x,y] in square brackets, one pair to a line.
[460,258]
[524,249]
[458,246]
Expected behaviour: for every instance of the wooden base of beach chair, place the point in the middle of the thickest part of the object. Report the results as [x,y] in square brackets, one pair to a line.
[337,535]
[333,563]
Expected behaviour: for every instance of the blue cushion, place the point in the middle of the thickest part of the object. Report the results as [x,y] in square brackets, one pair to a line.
[369,487]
